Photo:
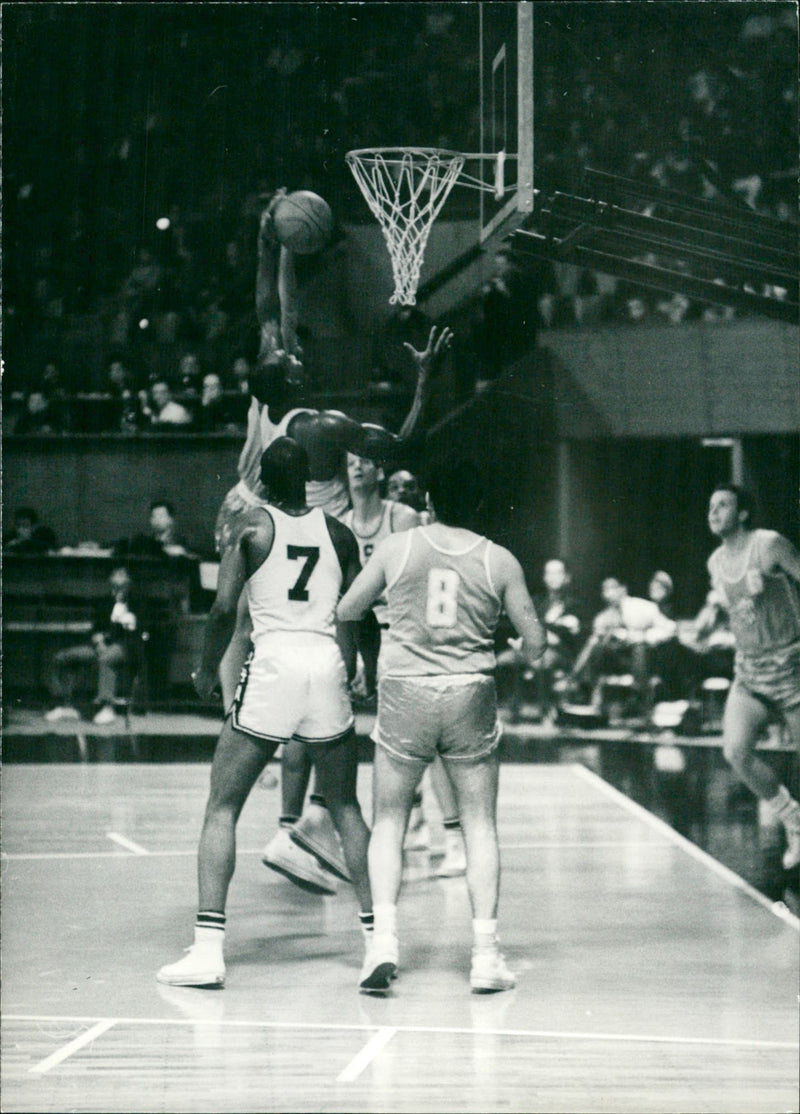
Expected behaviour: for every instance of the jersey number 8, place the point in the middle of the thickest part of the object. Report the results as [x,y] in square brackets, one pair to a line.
[442,605]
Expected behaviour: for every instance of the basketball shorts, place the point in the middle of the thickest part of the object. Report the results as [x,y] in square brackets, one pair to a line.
[454,716]
[293,686]
[236,504]
[773,678]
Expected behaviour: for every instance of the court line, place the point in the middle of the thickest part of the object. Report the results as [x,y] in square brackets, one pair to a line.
[318,1026]
[26,856]
[777,908]
[74,1046]
[367,1054]
[128,844]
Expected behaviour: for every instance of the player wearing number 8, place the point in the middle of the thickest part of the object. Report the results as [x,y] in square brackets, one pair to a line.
[293,561]
[446,587]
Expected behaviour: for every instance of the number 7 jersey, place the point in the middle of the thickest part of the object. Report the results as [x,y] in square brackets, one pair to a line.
[297,587]
[443,609]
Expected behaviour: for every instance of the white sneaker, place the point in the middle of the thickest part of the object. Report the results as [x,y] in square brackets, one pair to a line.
[791,856]
[203,965]
[64,712]
[315,833]
[297,865]
[489,972]
[454,862]
[105,716]
[380,965]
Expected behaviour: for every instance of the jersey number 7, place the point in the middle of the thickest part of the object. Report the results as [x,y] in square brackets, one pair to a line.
[309,554]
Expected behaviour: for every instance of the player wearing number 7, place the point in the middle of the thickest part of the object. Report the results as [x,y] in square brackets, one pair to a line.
[293,561]
[446,587]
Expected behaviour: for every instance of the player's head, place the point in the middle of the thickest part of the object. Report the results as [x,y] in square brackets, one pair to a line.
[403,487]
[457,493]
[556,574]
[364,475]
[730,508]
[278,379]
[284,471]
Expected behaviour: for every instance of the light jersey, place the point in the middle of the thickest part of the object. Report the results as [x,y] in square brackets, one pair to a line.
[764,608]
[367,543]
[443,610]
[297,587]
[331,494]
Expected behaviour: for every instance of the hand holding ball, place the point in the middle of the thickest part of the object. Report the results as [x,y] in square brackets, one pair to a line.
[303,222]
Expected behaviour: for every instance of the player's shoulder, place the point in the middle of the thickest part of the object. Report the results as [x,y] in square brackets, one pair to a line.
[503,563]
[769,538]
[402,517]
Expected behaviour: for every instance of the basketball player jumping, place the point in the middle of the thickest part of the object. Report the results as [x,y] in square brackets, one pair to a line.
[757,575]
[278,390]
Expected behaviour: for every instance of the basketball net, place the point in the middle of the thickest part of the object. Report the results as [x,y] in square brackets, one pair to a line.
[405,189]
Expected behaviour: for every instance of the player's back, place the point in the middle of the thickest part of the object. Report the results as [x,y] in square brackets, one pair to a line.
[297,586]
[443,606]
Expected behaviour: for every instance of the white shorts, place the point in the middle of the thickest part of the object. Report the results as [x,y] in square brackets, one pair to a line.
[293,685]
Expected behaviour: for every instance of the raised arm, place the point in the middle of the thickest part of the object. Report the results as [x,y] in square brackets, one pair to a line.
[425,362]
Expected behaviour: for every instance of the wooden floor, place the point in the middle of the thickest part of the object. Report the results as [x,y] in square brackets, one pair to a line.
[649,977]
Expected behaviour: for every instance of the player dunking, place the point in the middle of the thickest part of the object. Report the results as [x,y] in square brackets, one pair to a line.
[446,587]
[757,575]
[293,562]
[278,389]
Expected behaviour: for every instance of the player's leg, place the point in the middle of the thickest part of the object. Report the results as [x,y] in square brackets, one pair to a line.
[784,805]
[454,862]
[744,718]
[336,776]
[394,783]
[476,786]
[238,760]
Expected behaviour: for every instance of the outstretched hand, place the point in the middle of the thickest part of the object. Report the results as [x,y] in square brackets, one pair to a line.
[437,345]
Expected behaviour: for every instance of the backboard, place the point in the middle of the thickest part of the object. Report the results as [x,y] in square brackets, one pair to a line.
[506,104]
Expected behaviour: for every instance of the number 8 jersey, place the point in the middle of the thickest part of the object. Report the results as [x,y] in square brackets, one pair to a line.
[443,610]
[297,587]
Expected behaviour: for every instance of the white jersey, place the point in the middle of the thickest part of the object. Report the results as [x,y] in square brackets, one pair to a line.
[297,587]
[368,543]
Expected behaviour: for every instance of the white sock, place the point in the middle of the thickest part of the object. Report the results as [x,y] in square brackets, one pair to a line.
[209,937]
[385,920]
[484,933]
[783,805]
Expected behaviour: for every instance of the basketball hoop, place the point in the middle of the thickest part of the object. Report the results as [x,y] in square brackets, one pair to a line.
[405,188]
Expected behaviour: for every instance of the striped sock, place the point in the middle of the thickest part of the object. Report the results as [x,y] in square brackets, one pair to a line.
[316,799]
[288,821]
[452,825]
[367,923]
[209,928]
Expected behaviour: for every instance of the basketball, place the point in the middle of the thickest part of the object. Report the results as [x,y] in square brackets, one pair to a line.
[303,222]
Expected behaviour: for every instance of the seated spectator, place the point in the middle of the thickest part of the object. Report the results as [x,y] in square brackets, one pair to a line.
[623,636]
[122,388]
[112,646]
[162,539]
[660,591]
[42,413]
[240,375]
[557,611]
[27,535]
[212,412]
[160,410]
